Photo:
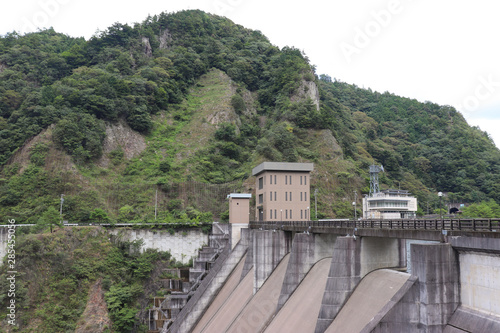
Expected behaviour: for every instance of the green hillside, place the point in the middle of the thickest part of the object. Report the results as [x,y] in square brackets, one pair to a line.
[174,112]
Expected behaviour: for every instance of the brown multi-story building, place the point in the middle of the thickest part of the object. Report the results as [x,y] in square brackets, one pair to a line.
[282,191]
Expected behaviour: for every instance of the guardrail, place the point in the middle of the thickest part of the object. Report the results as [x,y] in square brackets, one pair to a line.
[491,225]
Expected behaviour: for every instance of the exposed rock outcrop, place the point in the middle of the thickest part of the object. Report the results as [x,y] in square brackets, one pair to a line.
[95,318]
[165,39]
[307,89]
[326,144]
[120,136]
[148,50]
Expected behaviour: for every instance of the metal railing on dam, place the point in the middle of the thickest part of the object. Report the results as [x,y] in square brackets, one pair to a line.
[431,229]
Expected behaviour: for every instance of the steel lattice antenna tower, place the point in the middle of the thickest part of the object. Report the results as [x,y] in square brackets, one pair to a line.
[374,171]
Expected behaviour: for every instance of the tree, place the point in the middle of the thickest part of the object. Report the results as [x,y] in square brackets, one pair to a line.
[49,218]
[238,103]
[126,213]
[99,216]
[485,209]
[81,135]
[226,132]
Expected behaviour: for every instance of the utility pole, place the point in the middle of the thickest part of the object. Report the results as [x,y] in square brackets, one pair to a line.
[354,203]
[60,210]
[316,203]
[156,202]
[440,194]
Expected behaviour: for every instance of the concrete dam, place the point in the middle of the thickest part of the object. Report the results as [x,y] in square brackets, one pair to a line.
[290,277]
[386,272]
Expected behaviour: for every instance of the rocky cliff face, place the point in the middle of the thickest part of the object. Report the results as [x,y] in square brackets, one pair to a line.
[148,50]
[165,39]
[121,136]
[307,89]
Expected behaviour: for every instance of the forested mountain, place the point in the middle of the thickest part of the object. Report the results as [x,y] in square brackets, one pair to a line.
[145,115]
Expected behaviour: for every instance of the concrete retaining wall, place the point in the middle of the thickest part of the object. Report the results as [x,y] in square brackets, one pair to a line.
[480,281]
[3,243]
[182,245]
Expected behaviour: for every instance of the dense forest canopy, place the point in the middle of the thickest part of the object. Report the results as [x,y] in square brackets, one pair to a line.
[157,75]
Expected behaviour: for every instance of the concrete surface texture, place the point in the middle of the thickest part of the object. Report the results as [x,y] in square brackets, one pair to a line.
[437,269]
[468,320]
[210,286]
[226,291]
[368,299]
[480,281]
[307,249]
[269,247]
[377,253]
[262,306]
[300,312]
[231,307]
[344,275]
[182,245]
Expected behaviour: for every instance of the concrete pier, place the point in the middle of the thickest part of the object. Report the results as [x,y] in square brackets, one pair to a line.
[269,247]
[436,267]
[343,277]
[352,259]
[307,249]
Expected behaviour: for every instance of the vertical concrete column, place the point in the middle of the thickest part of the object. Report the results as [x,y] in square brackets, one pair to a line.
[301,260]
[269,247]
[344,275]
[248,234]
[307,249]
[403,260]
[436,266]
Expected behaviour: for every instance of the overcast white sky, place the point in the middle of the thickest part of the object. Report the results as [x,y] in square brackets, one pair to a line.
[444,51]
